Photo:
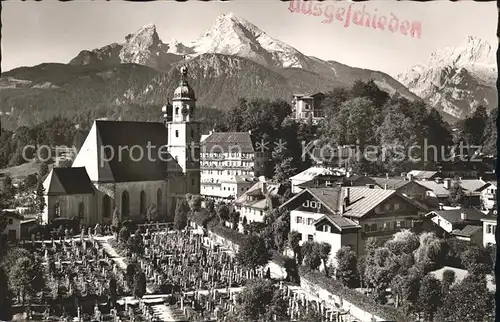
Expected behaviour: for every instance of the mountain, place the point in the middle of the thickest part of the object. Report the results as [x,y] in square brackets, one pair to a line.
[232,59]
[457,79]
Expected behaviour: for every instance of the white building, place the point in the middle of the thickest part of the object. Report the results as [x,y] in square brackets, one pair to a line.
[311,174]
[229,164]
[308,107]
[489,230]
[489,196]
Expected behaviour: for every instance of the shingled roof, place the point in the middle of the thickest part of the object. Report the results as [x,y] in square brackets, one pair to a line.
[68,181]
[227,142]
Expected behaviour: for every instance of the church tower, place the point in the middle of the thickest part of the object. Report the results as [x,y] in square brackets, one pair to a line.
[184,134]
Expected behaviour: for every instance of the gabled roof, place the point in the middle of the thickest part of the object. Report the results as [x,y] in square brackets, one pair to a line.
[127,140]
[421,175]
[361,200]
[467,231]
[227,142]
[392,183]
[473,185]
[257,190]
[364,200]
[314,172]
[455,216]
[341,223]
[68,181]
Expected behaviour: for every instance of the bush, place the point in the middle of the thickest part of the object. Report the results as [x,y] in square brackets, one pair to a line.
[360,300]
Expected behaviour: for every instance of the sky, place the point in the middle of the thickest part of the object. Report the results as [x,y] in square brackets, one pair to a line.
[52,31]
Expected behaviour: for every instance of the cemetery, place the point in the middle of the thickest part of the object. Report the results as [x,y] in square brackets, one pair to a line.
[156,274]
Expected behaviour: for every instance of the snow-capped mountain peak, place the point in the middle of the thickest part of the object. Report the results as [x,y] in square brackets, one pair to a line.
[456,79]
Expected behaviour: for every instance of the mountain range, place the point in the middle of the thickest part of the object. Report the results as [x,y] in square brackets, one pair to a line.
[457,79]
[232,59]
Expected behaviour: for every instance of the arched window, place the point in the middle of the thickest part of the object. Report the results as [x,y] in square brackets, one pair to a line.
[177,111]
[142,203]
[106,206]
[81,210]
[125,205]
[57,210]
[158,199]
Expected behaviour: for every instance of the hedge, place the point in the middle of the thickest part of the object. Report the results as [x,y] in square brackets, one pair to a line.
[360,300]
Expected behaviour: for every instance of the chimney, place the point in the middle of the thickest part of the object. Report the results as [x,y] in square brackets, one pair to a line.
[409,176]
[348,197]
[264,187]
[385,187]
[463,216]
[403,174]
[387,175]
[480,178]
[210,133]
[447,183]
[371,186]
[250,132]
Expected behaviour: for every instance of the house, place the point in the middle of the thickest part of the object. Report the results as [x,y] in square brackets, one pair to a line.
[439,190]
[403,185]
[308,107]
[489,230]
[354,213]
[488,195]
[13,228]
[252,204]
[132,166]
[423,175]
[316,175]
[457,222]
[229,163]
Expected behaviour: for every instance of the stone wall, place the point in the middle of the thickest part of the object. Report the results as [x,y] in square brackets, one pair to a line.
[330,298]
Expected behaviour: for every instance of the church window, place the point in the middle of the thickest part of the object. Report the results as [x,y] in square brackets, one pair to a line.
[125,205]
[142,206]
[81,210]
[158,199]
[176,133]
[57,210]
[106,206]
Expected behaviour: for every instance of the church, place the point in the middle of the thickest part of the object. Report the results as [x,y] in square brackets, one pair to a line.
[131,167]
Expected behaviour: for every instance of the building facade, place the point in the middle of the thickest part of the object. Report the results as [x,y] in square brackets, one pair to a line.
[230,164]
[131,167]
[308,107]
[489,230]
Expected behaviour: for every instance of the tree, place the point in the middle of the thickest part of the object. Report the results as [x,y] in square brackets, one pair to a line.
[380,269]
[255,299]
[403,242]
[5,297]
[25,279]
[474,126]
[30,181]
[324,252]
[8,191]
[113,291]
[448,280]
[235,219]
[253,252]
[294,238]
[469,300]
[457,195]
[223,212]
[430,251]
[312,255]
[40,197]
[124,235]
[44,169]
[406,290]
[140,285]
[181,211]
[151,213]
[430,296]
[347,266]
[115,222]
[284,170]
[194,202]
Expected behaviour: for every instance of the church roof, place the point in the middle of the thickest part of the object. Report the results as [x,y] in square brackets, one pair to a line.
[128,165]
[68,181]
[226,142]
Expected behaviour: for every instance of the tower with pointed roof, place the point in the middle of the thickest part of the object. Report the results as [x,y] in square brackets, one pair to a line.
[184,133]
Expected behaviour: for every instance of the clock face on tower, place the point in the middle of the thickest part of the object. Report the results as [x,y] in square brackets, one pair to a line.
[184,111]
